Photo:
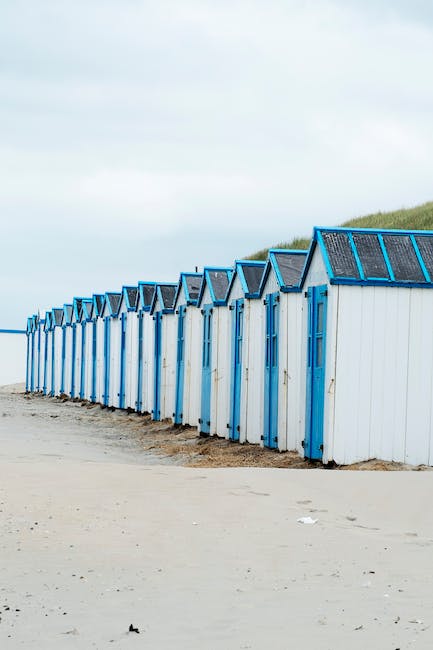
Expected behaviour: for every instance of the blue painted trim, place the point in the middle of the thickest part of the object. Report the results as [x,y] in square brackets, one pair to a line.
[142,305]
[44,389]
[206,280]
[356,256]
[38,387]
[74,345]
[386,258]
[376,231]
[139,402]
[94,359]
[107,360]
[53,363]
[325,255]
[62,370]
[83,360]
[180,366]
[420,259]
[13,331]
[122,360]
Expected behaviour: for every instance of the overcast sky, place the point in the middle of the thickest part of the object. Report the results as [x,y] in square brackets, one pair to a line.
[141,138]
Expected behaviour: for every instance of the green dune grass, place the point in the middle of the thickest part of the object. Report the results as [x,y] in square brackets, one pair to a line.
[417,218]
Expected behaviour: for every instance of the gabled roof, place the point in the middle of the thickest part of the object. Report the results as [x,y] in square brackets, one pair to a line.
[366,256]
[47,321]
[98,303]
[57,316]
[112,300]
[77,304]
[87,309]
[129,298]
[165,293]
[218,280]
[250,273]
[145,292]
[30,325]
[67,313]
[190,283]
[288,266]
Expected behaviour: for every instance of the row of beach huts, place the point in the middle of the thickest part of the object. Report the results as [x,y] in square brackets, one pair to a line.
[328,352]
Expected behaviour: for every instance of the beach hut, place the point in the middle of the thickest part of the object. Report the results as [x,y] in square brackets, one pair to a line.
[86,348]
[111,365]
[145,347]
[31,359]
[246,352]
[128,348]
[39,353]
[188,350]
[95,367]
[164,350]
[281,340]
[368,346]
[215,364]
[56,350]
[76,351]
[47,356]
[66,365]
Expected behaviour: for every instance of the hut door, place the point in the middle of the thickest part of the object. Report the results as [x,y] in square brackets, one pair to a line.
[53,362]
[139,402]
[62,368]
[107,332]
[157,369]
[122,385]
[317,302]
[83,360]
[94,357]
[206,381]
[74,345]
[235,396]
[270,437]
[180,366]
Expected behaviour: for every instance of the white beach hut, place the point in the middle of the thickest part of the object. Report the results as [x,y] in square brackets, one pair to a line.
[76,347]
[111,365]
[145,347]
[215,359]
[128,348]
[282,339]
[164,352]
[40,354]
[86,323]
[368,346]
[66,365]
[47,354]
[244,417]
[56,350]
[95,365]
[188,350]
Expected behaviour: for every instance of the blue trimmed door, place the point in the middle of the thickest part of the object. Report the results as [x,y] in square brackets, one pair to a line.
[272,307]
[156,413]
[107,332]
[317,308]
[32,363]
[53,362]
[122,387]
[139,402]
[62,368]
[237,308]
[74,345]
[180,366]
[206,374]
[94,360]
[38,374]
[83,360]
[45,363]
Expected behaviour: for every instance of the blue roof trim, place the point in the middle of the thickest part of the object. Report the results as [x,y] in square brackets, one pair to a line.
[370,281]
[125,298]
[273,264]
[142,306]
[182,284]
[107,303]
[206,280]
[157,296]
[239,271]
[66,318]
[97,312]
[87,310]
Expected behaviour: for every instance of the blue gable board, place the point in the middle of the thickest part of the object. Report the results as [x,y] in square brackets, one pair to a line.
[190,283]
[218,279]
[87,309]
[130,297]
[146,292]
[288,266]
[67,313]
[250,274]
[380,257]
[98,303]
[112,298]
[165,293]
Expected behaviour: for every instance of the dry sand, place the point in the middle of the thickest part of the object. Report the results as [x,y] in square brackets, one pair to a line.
[100,529]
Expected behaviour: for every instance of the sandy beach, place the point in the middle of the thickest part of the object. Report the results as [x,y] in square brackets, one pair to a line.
[99,531]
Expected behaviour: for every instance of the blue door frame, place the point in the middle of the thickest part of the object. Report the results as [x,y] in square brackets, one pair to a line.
[53,362]
[237,308]
[122,386]
[107,331]
[206,374]
[94,357]
[45,363]
[139,403]
[39,362]
[32,365]
[62,367]
[156,413]
[83,360]
[74,345]
[270,434]
[180,366]
[316,359]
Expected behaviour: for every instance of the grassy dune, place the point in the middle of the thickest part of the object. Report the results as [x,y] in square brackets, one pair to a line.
[417,218]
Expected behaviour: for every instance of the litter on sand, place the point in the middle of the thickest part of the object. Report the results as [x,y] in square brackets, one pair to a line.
[306,520]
